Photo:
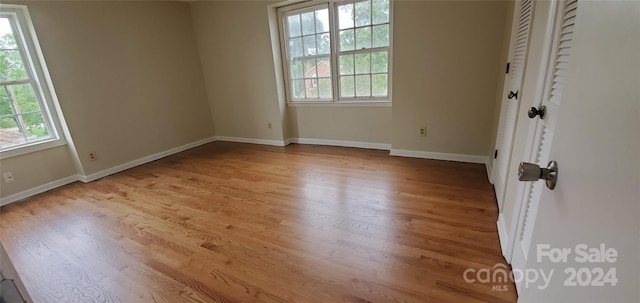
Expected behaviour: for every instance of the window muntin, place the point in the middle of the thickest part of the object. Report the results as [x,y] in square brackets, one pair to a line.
[24,116]
[363,50]
[309,54]
[353,36]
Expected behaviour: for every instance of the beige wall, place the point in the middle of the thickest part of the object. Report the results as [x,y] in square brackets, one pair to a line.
[361,124]
[235,45]
[129,81]
[138,78]
[239,71]
[35,169]
[447,55]
[127,75]
[448,60]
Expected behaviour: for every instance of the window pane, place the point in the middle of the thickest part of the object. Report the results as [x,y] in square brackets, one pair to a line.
[324,44]
[309,45]
[381,35]
[11,65]
[324,85]
[36,129]
[10,133]
[25,98]
[311,86]
[363,63]
[295,47]
[8,123]
[322,21]
[379,62]
[297,71]
[323,68]
[345,16]
[363,13]
[363,38]
[5,105]
[363,86]
[347,41]
[294,26]
[7,40]
[308,23]
[380,11]
[346,86]
[346,64]
[22,118]
[297,89]
[380,85]
[309,68]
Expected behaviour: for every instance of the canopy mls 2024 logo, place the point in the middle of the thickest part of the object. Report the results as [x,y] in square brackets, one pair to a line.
[597,269]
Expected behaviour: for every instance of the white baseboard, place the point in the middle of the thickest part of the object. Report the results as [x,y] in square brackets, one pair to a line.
[438,156]
[504,237]
[251,140]
[487,165]
[150,158]
[342,143]
[143,160]
[289,141]
[37,190]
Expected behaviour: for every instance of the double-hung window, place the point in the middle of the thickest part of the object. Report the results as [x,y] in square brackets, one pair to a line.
[26,122]
[337,51]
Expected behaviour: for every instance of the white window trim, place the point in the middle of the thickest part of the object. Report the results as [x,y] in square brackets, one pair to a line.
[336,100]
[43,85]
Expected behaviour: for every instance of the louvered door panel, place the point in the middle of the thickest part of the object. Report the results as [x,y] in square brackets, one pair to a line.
[513,82]
[521,41]
[554,84]
[567,25]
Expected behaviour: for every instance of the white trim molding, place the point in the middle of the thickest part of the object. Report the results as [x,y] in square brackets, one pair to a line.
[487,165]
[143,160]
[289,141]
[342,143]
[251,140]
[504,238]
[37,190]
[439,156]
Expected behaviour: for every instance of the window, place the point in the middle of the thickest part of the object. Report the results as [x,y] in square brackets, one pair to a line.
[25,119]
[337,51]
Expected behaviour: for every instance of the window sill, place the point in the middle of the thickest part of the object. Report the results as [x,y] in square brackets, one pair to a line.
[31,148]
[341,104]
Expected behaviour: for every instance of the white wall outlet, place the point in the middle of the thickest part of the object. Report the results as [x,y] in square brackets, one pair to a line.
[93,156]
[423,131]
[8,177]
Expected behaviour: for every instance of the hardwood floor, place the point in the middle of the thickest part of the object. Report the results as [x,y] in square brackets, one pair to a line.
[230,222]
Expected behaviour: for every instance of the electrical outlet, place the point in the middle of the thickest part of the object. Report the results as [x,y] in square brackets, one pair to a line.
[93,156]
[8,177]
[269,125]
[423,132]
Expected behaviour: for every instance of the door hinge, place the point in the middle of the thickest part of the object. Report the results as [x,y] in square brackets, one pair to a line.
[495,154]
[508,64]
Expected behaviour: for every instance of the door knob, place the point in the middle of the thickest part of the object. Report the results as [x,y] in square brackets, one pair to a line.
[533,172]
[513,95]
[533,112]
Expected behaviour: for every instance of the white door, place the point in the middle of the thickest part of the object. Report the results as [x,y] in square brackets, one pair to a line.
[511,95]
[561,37]
[584,234]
